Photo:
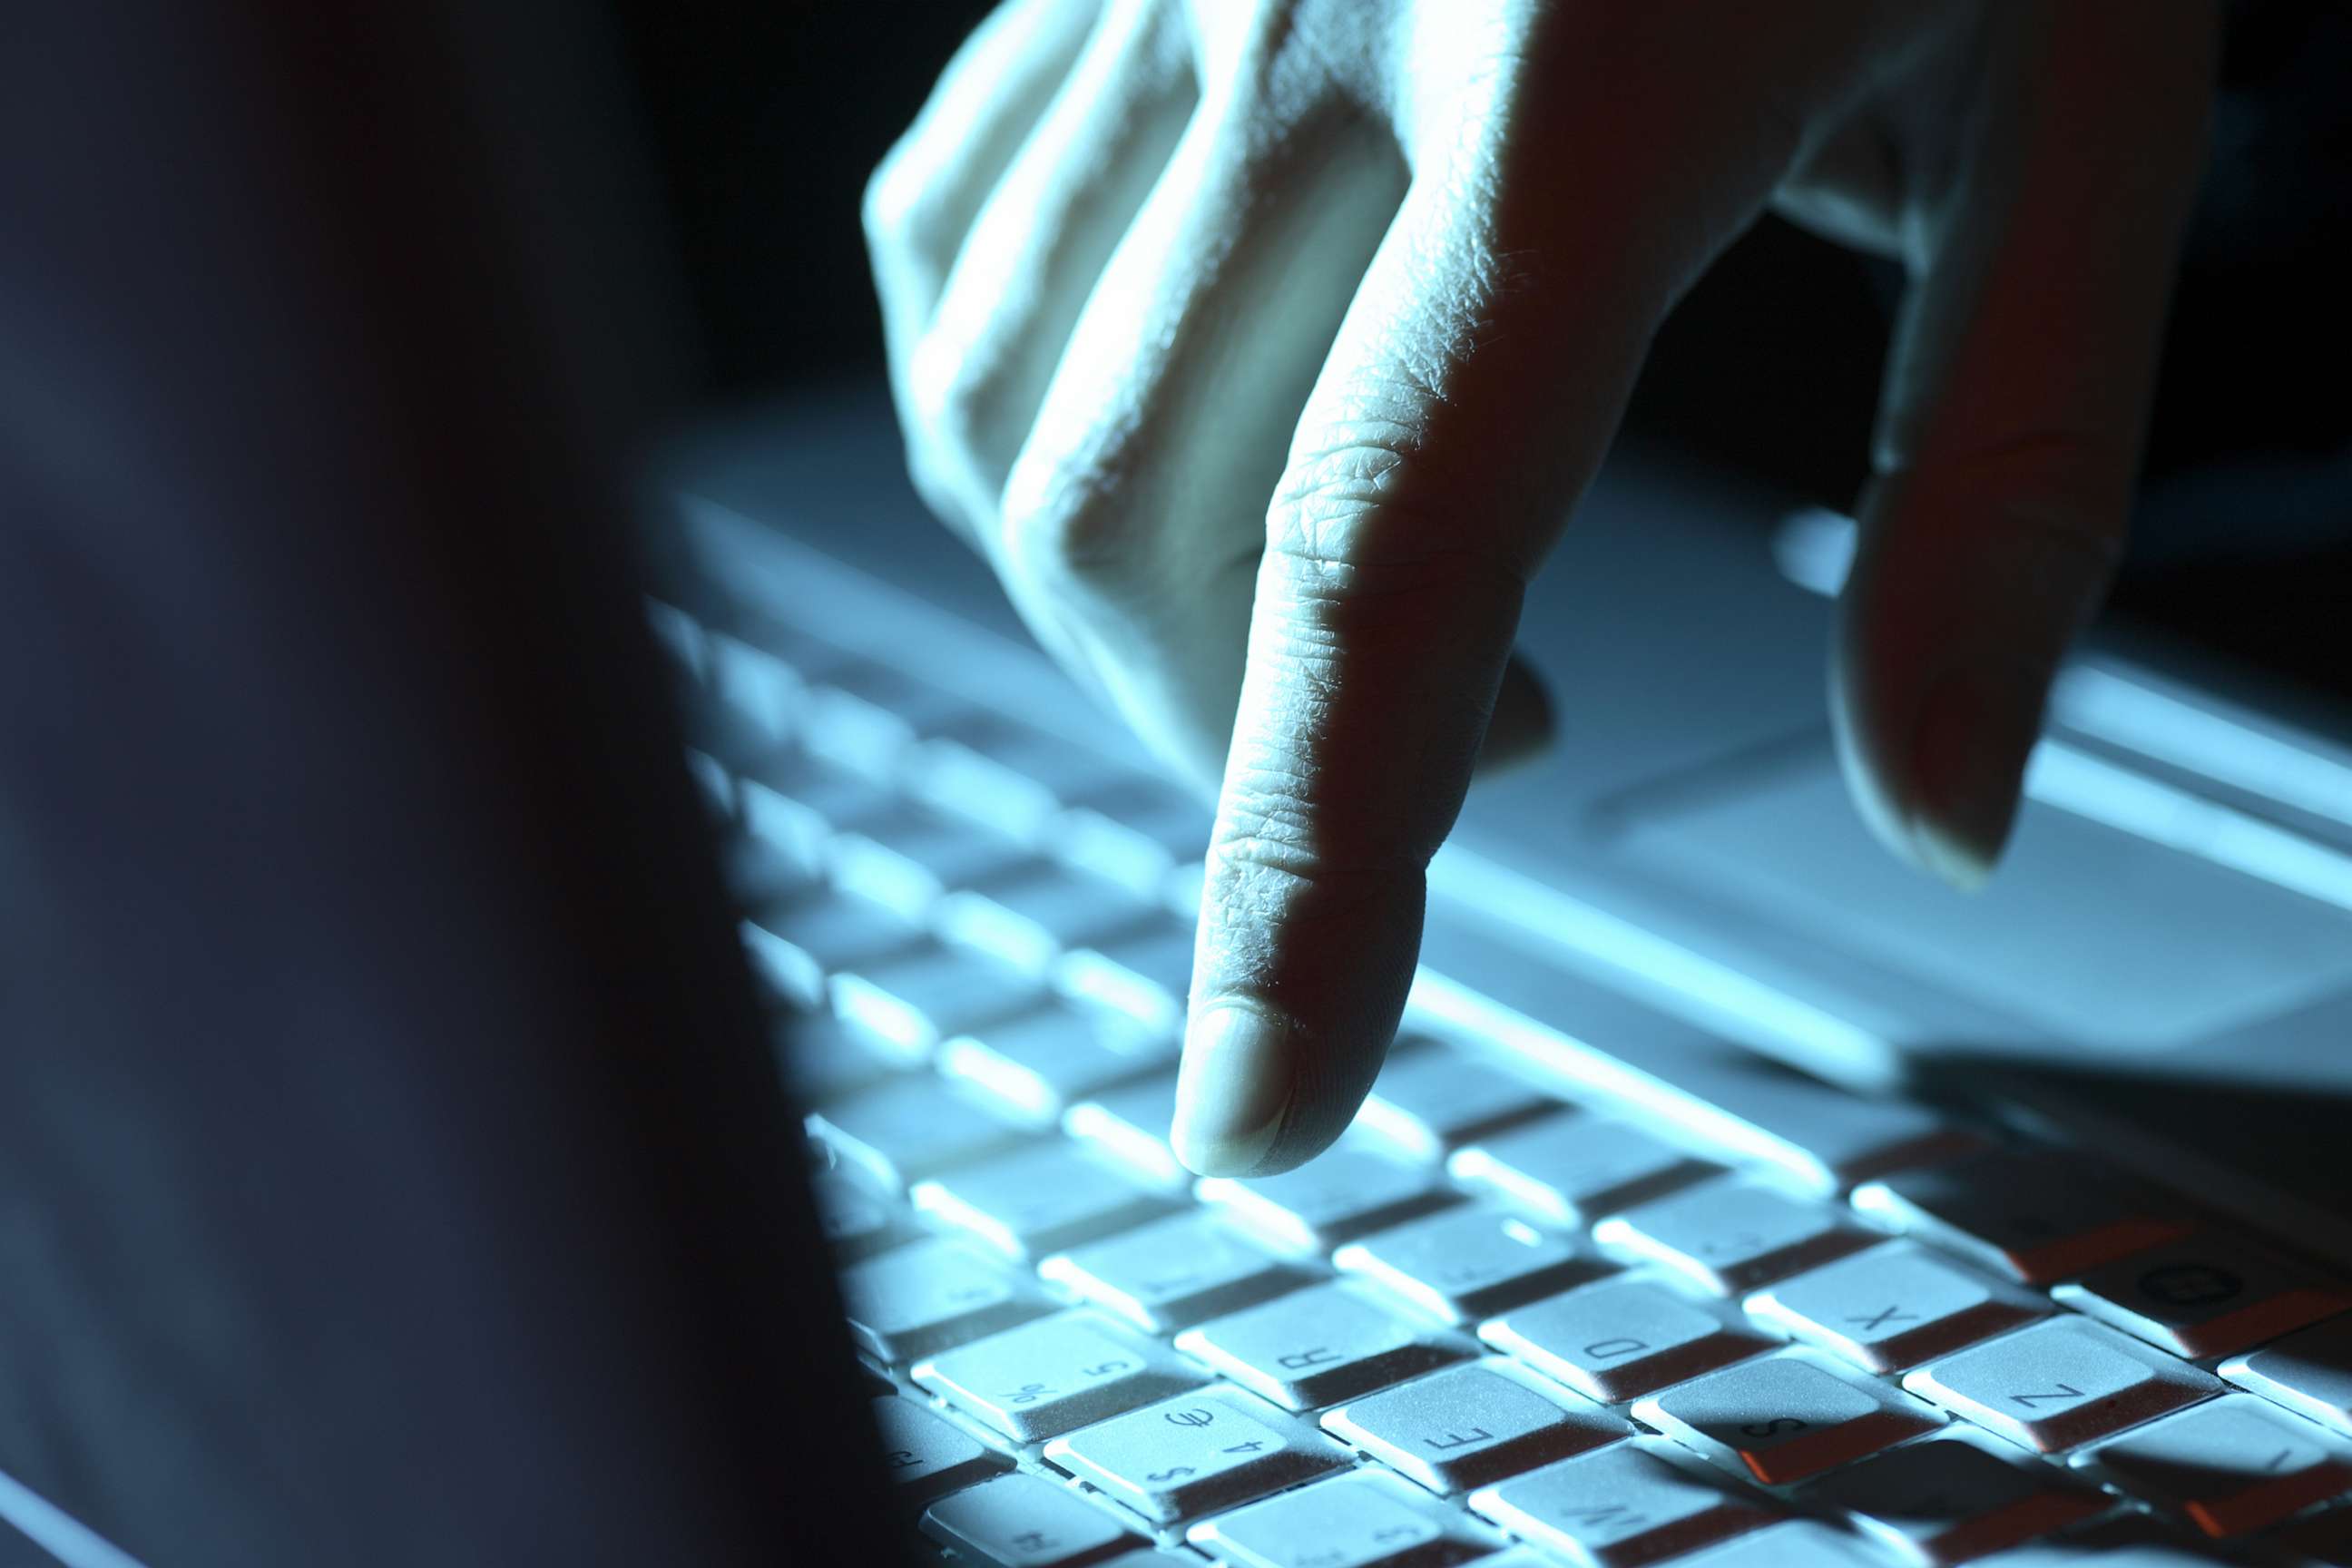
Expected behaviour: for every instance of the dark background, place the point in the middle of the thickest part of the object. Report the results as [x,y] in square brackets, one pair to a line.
[766,119]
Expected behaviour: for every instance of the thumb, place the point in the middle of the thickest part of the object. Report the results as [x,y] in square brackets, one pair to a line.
[2010,432]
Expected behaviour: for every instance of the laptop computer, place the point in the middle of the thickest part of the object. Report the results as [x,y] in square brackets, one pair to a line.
[468,1155]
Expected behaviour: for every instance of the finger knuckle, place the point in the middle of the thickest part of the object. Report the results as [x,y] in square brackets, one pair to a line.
[897,209]
[1067,526]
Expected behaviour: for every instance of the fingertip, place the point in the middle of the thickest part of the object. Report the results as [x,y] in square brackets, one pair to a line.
[1233,1090]
[1975,735]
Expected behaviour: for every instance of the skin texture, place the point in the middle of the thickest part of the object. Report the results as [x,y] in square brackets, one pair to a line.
[1265,347]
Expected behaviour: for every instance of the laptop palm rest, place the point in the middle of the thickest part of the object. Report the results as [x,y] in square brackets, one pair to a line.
[2097,934]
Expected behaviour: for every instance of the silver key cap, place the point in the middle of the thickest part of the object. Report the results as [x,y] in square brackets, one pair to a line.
[1618,1507]
[2208,1296]
[1136,832]
[1791,1543]
[1465,1264]
[680,638]
[907,1129]
[793,803]
[1195,1454]
[921,1298]
[824,1059]
[867,718]
[855,1222]
[2034,1217]
[1129,1124]
[1031,916]
[2309,1373]
[1570,1170]
[1171,1274]
[1009,776]
[1049,1377]
[1622,1339]
[1430,1098]
[928,1455]
[1731,1236]
[909,859]
[1035,1201]
[1320,1345]
[1339,1195]
[1146,974]
[1893,1307]
[910,1004]
[2060,1383]
[1949,1501]
[759,697]
[2227,1466]
[1361,1520]
[797,945]
[1469,1425]
[1783,1418]
[1021,1521]
[1033,1066]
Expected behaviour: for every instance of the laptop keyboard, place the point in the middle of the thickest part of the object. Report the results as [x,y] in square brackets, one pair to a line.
[1709,1316]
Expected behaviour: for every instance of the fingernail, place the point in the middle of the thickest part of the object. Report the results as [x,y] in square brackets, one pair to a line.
[1975,730]
[1231,1090]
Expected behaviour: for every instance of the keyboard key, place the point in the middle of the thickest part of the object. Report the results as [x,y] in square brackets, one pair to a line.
[1339,1195]
[867,718]
[1571,1170]
[793,803]
[1196,1454]
[910,1004]
[1618,1507]
[1171,1274]
[1824,1137]
[2035,1217]
[824,1059]
[1362,1520]
[1320,1345]
[928,1455]
[680,638]
[1136,832]
[2227,1466]
[1130,1123]
[1430,1098]
[1049,1377]
[1011,777]
[1035,1200]
[1946,1501]
[1031,916]
[758,696]
[2060,1383]
[909,859]
[1791,1543]
[921,1298]
[2208,1296]
[1469,1425]
[1784,1417]
[1893,1307]
[855,1222]
[1021,1521]
[795,946]
[1730,1236]
[2309,1373]
[907,1129]
[1465,1264]
[1145,974]
[1621,1339]
[1033,1066]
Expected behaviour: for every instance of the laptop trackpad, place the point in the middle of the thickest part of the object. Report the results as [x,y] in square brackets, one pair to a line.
[2089,932]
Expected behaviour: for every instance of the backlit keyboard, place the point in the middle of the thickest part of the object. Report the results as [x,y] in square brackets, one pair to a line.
[1679,1310]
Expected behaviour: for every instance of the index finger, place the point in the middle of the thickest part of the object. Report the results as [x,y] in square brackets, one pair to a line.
[1473,390]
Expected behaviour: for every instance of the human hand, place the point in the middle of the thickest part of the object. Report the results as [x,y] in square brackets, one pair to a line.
[1265,347]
